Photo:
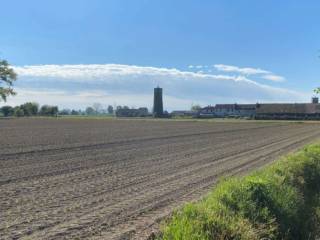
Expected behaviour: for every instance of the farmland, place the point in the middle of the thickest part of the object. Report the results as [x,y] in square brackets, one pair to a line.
[115,179]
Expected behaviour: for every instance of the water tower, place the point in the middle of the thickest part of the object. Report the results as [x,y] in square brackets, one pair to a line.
[157,103]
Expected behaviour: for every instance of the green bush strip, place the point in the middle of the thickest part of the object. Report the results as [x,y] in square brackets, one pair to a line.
[280,201]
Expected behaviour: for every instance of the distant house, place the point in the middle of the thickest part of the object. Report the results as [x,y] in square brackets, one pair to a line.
[207,112]
[183,113]
[290,111]
[143,112]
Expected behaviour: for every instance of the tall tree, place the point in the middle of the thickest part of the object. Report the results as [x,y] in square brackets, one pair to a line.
[7,111]
[18,112]
[7,77]
[30,108]
[75,112]
[90,111]
[195,108]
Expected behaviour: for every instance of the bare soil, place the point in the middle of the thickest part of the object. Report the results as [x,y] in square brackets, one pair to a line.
[115,179]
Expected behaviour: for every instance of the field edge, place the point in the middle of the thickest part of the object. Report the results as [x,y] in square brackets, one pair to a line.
[279,201]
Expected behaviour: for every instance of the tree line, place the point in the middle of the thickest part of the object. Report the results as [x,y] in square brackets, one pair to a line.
[29,109]
[96,109]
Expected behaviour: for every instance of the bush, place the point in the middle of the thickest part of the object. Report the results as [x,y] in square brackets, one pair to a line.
[281,201]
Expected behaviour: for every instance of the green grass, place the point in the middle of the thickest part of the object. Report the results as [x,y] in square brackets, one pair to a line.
[281,201]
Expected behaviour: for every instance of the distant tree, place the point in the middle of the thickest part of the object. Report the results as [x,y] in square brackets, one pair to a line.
[126,107]
[90,111]
[97,107]
[317,90]
[30,108]
[195,108]
[54,110]
[47,110]
[18,112]
[110,109]
[75,112]
[7,77]
[7,111]
[118,107]
[65,112]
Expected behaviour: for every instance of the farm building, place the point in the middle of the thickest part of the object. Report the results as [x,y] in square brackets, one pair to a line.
[223,110]
[289,111]
[265,110]
[237,110]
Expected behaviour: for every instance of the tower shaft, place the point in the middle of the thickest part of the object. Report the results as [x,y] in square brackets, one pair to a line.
[157,102]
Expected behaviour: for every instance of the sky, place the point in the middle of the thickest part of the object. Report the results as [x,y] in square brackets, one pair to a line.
[78,52]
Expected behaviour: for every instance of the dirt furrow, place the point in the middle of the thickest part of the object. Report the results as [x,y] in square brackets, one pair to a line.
[115,179]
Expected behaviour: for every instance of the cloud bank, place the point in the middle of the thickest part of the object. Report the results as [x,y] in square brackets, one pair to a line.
[77,86]
[247,71]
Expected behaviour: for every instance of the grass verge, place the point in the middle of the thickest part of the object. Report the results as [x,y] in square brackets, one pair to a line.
[281,201]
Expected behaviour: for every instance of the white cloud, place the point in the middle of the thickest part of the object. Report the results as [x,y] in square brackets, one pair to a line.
[274,78]
[244,71]
[198,66]
[80,85]
[247,71]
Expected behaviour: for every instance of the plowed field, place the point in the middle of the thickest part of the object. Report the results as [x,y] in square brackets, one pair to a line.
[114,179]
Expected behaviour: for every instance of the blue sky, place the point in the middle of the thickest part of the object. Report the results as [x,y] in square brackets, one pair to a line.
[203,52]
